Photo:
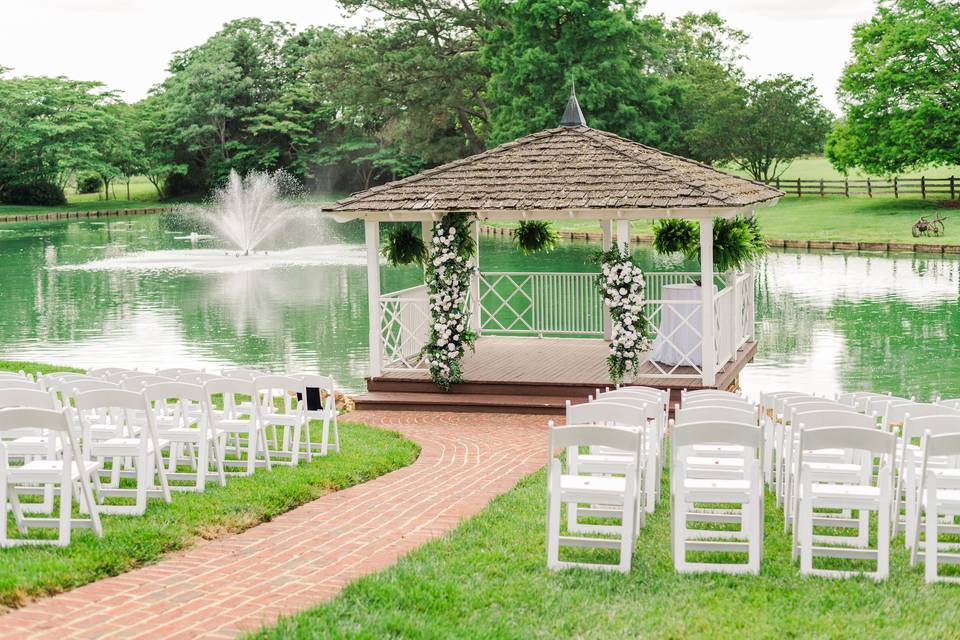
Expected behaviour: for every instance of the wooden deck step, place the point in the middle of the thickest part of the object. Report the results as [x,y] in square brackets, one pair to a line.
[482,402]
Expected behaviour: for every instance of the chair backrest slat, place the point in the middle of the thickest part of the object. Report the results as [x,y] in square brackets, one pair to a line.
[20,417]
[579,435]
[716,432]
[873,440]
[838,416]
[606,412]
[721,413]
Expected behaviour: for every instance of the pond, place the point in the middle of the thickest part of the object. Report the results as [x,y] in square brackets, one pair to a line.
[89,292]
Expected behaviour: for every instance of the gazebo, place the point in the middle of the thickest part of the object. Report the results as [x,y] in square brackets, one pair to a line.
[542,335]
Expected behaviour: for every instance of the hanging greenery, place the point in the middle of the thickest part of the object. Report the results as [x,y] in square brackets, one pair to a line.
[675,235]
[621,285]
[535,236]
[403,246]
[736,241]
[449,269]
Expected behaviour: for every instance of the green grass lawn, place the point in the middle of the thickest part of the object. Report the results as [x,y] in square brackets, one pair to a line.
[815,218]
[131,541]
[816,167]
[488,579]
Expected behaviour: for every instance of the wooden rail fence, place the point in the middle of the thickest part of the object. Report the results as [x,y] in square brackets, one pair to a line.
[946,188]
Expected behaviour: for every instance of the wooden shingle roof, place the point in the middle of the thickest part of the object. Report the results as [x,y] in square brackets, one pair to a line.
[567,168]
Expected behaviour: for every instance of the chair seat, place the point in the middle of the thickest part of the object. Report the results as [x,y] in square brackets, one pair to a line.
[587,487]
[284,419]
[714,484]
[945,498]
[234,425]
[829,490]
[31,446]
[47,471]
[730,464]
[121,447]
[833,467]
[183,434]
[718,449]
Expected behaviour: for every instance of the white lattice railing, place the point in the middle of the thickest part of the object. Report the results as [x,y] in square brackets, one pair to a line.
[568,304]
[404,327]
[540,304]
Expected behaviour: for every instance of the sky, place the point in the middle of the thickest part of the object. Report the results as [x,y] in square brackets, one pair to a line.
[127,44]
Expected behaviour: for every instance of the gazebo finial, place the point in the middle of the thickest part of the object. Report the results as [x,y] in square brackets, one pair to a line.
[572,115]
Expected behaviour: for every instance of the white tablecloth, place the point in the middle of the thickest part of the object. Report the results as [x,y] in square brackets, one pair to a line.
[680,322]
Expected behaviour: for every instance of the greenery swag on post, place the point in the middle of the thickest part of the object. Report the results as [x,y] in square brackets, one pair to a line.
[621,285]
[449,269]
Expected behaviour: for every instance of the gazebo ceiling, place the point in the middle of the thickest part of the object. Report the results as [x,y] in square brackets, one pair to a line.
[570,171]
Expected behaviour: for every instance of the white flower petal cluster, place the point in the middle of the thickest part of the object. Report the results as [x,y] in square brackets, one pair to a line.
[622,285]
[448,284]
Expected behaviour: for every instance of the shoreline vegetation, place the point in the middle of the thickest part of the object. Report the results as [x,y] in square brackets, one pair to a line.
[32,572]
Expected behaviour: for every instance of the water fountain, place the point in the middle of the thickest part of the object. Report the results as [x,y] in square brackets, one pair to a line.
[247,211]
[247,215]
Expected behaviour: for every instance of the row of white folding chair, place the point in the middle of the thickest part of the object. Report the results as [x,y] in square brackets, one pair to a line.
[715,460]
[693,486]
[818,492]
[953,403]
[655,403]
[64,470]
[937,505]
[782,435]
[910,459]
[621,412]
[571,486]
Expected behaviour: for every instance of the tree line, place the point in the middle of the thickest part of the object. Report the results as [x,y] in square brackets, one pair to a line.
[431,81]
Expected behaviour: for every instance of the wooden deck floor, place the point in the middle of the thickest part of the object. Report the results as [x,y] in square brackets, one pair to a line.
[563,361]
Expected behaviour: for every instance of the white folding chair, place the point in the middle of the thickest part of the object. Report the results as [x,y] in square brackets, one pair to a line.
[939,497]
[687,492]
[131,443]
[109,372]
[766,411]
[180,426]
[31,443]
[175,372]
[826,465]
[140,381]
[910,460]
[274,390]
[239,417]
[572,488]
[319,397]
[716,460]
[64,471]
[866,443]
[953,403]
[604,461]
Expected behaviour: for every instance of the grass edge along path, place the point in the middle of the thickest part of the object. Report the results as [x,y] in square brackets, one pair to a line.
[29,572]
[488,579]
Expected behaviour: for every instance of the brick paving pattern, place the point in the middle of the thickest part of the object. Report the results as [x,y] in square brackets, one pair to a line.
[223,588]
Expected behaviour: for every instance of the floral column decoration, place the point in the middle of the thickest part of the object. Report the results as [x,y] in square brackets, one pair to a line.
[449,269]
[622,286]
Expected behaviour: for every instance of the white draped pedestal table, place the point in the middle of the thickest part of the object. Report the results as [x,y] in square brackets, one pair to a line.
[678,337]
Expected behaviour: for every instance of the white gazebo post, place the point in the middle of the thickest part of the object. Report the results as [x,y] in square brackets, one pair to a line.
[371,230]
[606,227]
[475,279]
[708,355]
[623,234]
[426,232]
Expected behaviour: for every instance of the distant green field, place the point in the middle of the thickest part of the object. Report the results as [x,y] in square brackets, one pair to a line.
[816,167]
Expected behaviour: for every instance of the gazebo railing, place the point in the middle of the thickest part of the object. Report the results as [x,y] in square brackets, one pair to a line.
[540,304]
[404,327]
[568,304]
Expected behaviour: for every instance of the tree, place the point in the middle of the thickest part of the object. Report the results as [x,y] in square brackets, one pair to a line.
[762,125]
[416,76]
[50,128]
[539,46]
[160,159]
[901,91]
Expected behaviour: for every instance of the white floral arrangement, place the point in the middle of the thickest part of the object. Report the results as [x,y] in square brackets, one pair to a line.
[621,285]
[450,267]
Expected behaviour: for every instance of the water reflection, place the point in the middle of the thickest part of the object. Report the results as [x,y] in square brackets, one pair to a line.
[828,322]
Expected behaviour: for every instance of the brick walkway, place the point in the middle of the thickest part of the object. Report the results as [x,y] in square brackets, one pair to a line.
[225,587]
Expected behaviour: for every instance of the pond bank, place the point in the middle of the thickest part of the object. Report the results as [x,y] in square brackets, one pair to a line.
[829,245]
[63,215]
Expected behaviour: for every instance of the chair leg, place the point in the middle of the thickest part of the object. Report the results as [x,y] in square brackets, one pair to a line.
[883,540]
[805,524]
[295,446]
[203,465]
[324,436]
[626,526]
[553,518]
[66,506]
[930,556]
[306,434]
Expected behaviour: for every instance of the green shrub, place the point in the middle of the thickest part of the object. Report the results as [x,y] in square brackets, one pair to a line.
[88,183]
[40,192]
